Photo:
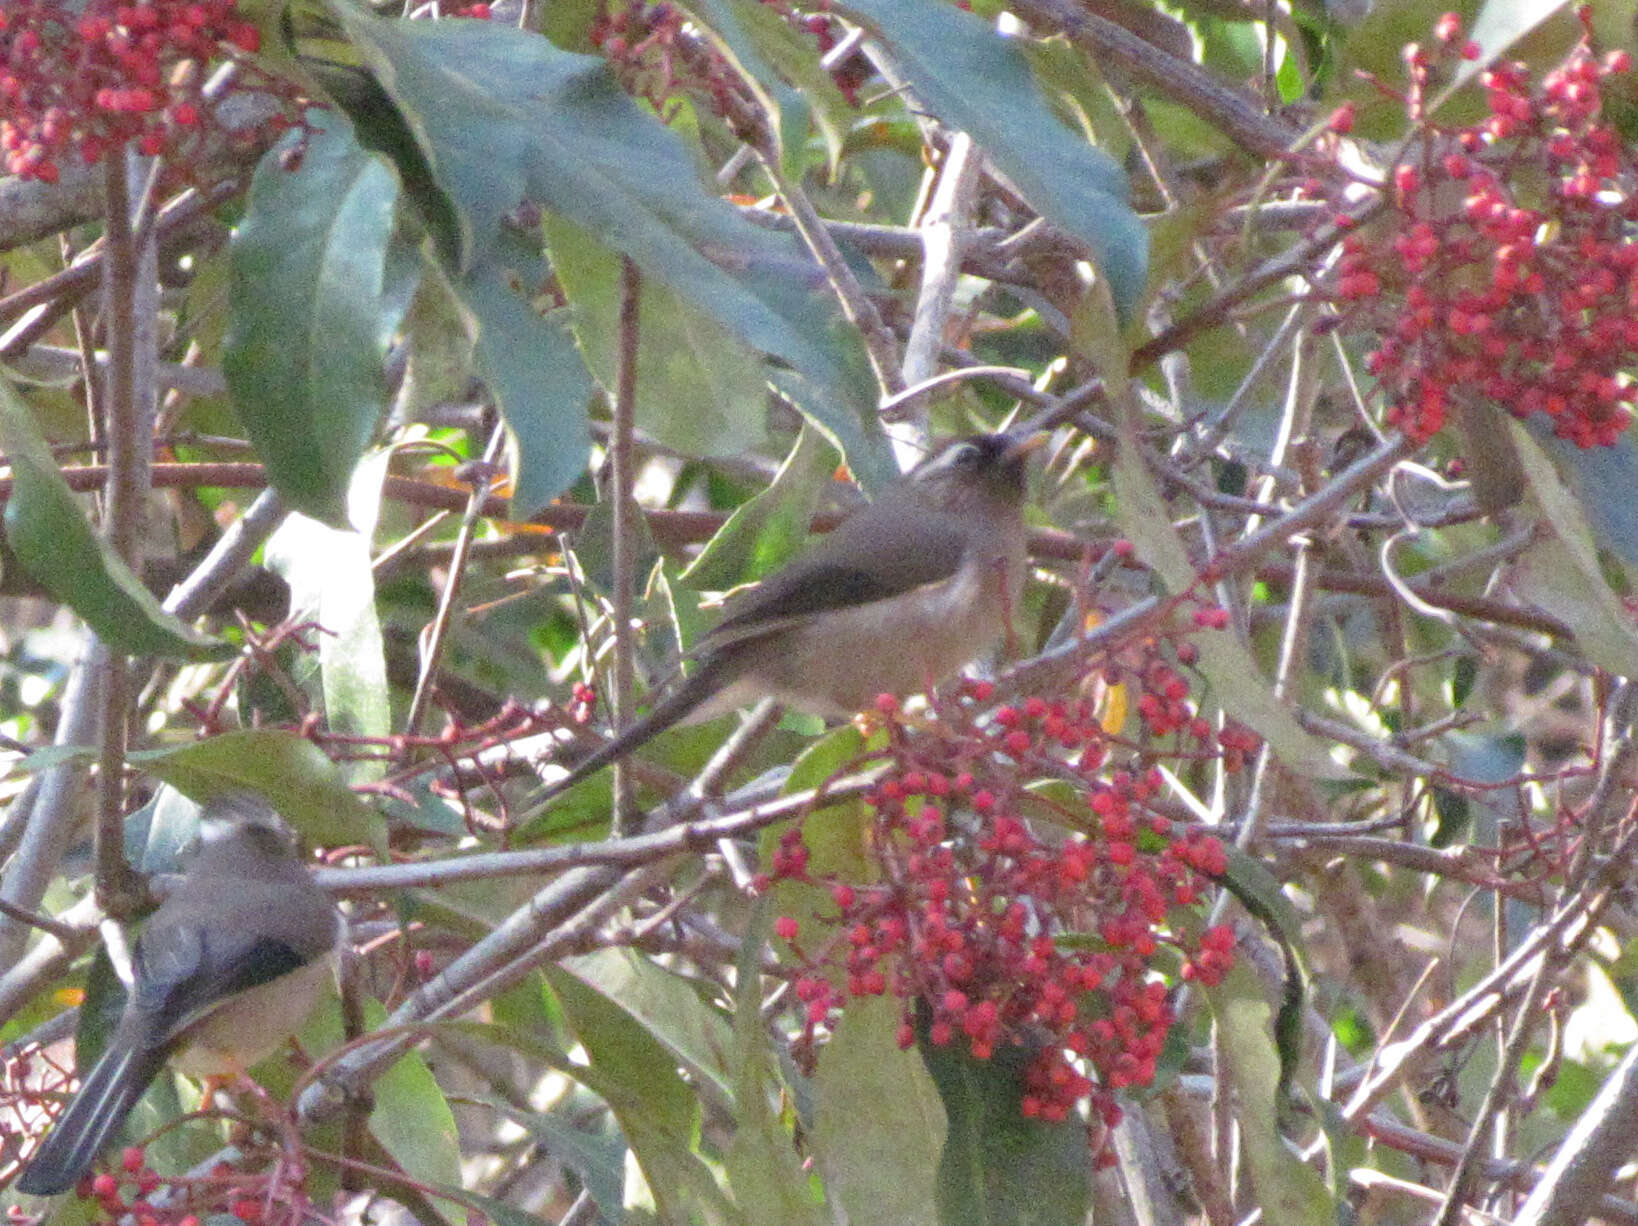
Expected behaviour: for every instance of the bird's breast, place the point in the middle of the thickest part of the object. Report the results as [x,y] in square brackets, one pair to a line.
[243,1029]
[835,663]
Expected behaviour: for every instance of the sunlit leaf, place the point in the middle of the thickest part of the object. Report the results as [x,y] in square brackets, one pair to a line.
[767,529]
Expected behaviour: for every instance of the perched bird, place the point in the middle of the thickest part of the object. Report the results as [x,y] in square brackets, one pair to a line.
[898,597]
[226,968]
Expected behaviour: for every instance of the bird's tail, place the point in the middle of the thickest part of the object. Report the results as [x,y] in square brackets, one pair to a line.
[106,1097]
[674,707]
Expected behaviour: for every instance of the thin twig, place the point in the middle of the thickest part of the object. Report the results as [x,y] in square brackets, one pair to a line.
[130,310]
[443,620]
[627,516]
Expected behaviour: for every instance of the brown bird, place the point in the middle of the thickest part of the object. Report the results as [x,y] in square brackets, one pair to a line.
[898,597]
[228,967]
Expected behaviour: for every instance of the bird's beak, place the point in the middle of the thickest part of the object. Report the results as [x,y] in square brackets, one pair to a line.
[1021,447]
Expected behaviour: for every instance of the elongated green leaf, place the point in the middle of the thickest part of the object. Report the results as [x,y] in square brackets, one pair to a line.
[52,540]
[766,530]
[1000,1168]
[976,80]
[1563,574]
[500,1212]
[411,1118]
[502,115]
[1236,679]
[331,583]
[297,780]
[762,1163]
[880,1125]
[1260,893]
[1289,1191]
[314,297]
[535,373]
[836,835]
[598,1159]
[1603,479]
[697,1036]
[699,390]
[658,1112]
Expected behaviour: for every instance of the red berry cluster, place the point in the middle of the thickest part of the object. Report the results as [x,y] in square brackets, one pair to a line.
[79,81]
[582,702]
[1506,269]
[128,1195]
[1009,918]
[641,42]
[131,1192]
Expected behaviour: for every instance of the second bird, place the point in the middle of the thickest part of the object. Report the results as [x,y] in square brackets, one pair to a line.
[900,595]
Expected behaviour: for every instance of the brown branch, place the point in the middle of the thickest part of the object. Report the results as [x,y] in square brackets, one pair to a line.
[1233,111]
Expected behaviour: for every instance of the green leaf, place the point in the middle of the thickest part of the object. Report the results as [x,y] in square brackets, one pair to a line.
[598,1159]
[835,835]
[411,1118]
[699,391]
[1602,478]
[768,529]
[316,292]
[657,1111]
[697,1036]
[978,81]
[331,583]
[500,1212]
[53,542]
[539,382]
[501,115]
[999,1167]
[439,348]
[290,772]
[157,834]
[1563,575]
[1289,1191]
[1259,891]
[880,1125]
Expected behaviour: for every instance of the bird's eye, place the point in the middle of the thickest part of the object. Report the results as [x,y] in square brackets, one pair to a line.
[965,455]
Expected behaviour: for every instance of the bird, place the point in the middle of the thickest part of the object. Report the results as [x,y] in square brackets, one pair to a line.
[900,596]
[227,967]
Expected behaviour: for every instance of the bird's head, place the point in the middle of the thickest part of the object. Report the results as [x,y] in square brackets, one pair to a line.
[976,471]
[242,823]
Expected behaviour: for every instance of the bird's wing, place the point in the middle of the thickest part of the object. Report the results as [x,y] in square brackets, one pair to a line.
[187,967]
[172,997]
[883,551]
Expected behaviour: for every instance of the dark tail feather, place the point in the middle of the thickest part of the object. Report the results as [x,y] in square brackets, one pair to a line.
[673,708]
[106,1097]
